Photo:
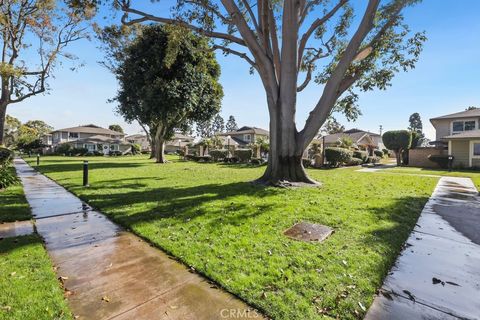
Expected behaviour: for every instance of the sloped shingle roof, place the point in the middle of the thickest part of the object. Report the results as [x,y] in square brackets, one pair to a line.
[90,129]
[462,114]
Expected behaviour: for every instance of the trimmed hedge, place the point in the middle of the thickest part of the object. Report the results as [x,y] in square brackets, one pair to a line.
[372,159]
[362,155]
[355,162]
[440,159]
[378,153]
[337,156]
[306,162]
[243,155]
[218,154]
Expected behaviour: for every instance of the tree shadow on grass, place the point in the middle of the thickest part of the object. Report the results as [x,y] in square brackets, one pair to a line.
[182,204]
[389,241]
[77,165]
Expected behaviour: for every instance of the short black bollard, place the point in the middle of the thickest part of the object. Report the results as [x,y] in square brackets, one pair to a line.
[450,162]
[38,159]
[85,173]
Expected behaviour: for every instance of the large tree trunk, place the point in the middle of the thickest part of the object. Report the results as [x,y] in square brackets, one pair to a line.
[160,145]
[285,166]
[3,114]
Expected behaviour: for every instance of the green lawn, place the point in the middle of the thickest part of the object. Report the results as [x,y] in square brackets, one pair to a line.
[474,175]
[212,218]
[28,286]
[13,206]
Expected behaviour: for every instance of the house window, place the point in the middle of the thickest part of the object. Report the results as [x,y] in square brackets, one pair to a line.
[460,126]
[247,137]
[73,134]
[476,149]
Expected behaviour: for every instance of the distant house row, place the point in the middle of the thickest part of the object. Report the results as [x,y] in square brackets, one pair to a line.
[97,139]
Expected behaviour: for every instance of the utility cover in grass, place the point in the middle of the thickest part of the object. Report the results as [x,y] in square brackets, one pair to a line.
[305,231]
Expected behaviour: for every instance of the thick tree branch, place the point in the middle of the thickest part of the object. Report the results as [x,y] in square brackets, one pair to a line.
[315,24]
[148,17]
[330,91]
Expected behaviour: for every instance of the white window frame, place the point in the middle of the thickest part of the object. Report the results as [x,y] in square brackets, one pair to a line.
[249,137]
[462,120]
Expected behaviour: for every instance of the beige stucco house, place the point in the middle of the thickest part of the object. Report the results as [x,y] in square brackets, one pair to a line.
[461,133]
[364,140]
[91,137]
[244,136]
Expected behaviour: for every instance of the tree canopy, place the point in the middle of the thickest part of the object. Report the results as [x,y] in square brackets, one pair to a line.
[166,92]
[40,31]
[231,124]
[398,141]
[116,127]
[415,122]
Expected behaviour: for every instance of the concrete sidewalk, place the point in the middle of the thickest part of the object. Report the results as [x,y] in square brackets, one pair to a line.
[109,273]
[437,275]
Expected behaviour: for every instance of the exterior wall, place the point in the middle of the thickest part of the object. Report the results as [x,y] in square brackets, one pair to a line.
[442,128]
[476,163]
[419,157]
[460,149]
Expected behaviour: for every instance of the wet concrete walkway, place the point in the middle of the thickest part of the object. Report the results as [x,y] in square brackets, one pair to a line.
[109,273]
[437,275]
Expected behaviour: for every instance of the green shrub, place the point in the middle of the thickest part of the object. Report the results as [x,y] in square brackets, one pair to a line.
[7,177]
[362,155]
[306,162]
[397,141]
[440,159]
[386,152]
[114,153]
[372,159]
[355,162]
[78,151]
[257,161]
[136,148]
[63,148]
[218,154]
[6,156]
[243,155]
[378,153]
[337,156]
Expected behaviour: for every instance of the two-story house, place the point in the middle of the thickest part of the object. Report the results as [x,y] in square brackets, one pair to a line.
[91,137]
[243,136]
[461,133]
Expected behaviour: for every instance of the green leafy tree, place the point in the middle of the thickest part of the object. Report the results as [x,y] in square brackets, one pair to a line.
[164,92]
[471,108]
[231,124]
[332,126]
[40,127]
[40,31]
[415,123]
[398,141]
[204,128]
[218,124]
[286,42]
[116,127]
[12,127]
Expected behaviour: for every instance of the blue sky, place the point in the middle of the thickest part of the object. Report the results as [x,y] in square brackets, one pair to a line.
[445,80]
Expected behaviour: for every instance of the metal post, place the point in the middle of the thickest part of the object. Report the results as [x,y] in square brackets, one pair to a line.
[38,159]
[85,173]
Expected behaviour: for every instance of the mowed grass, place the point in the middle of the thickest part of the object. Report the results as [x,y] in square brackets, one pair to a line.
[13,205]
[474,175]
[28,286]
[210,217]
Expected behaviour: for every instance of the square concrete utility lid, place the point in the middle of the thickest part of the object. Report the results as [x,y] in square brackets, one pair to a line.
[306,231]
